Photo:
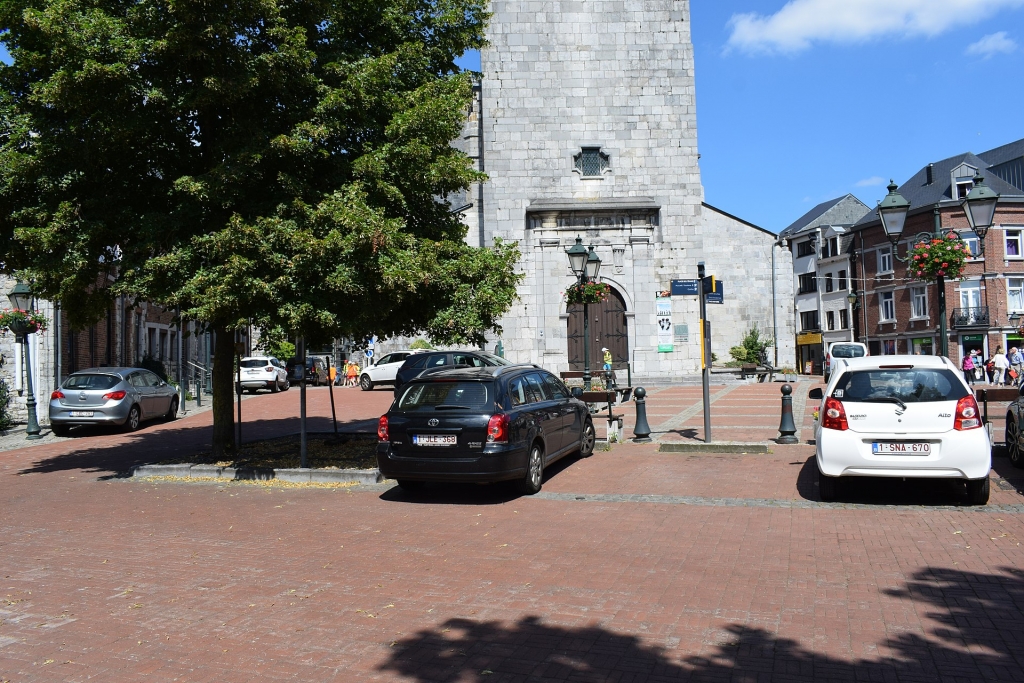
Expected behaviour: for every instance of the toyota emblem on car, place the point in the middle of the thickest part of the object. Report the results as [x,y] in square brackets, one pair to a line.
[433,422]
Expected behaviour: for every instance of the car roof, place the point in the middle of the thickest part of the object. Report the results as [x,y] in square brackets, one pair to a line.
[875,362]
[847,343]
[256,357]
[448,372]
[107,371]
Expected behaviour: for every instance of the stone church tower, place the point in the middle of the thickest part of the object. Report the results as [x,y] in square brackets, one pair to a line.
[586,124]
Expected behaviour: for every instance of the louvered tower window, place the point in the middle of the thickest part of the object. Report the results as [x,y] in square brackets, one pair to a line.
[591,162]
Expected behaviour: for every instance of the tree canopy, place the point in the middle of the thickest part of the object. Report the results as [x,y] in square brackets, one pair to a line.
[284,163]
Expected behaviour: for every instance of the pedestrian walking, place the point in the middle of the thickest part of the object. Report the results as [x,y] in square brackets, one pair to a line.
[352,373]
[968,368]
[1016,364]
[1000,364]
[607,358]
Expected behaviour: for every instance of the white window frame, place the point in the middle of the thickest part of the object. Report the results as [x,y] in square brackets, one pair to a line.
[919,303]
[830,320]
[844,319]
[886,300]
[1016,234]
[1015,284]
[885,260]
[971,239]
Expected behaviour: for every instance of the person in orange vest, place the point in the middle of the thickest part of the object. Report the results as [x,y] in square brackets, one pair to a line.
[352,373]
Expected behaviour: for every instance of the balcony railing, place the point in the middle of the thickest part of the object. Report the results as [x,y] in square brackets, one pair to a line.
[969,317]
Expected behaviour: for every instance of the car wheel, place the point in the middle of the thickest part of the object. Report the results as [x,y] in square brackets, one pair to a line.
[172,412]
[1013,441]
[410,486]
[60,430]
[977,491]
[588,439]
[275,387]
[828,487]
[365,384]
[134,419]
[287,385]
[530,483]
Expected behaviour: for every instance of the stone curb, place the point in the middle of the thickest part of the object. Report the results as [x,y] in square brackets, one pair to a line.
[739,448]
[295,475]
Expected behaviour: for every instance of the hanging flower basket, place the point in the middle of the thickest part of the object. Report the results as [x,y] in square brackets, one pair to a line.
[587,293]
[23,322]
[945,256]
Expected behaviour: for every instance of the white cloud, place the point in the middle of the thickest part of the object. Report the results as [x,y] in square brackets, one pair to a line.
[992,44]
[801,23]
[873,181]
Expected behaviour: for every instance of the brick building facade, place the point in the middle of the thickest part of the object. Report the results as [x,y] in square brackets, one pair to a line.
[899,313]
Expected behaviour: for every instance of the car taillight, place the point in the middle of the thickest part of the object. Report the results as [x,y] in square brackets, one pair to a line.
[57,394]
[966,414]
[115,395]
[269,368]
[835,415]
[382,428]
[497,428]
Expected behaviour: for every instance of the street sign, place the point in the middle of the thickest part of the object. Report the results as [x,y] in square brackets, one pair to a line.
[685,287]
[369,353]
[718,296]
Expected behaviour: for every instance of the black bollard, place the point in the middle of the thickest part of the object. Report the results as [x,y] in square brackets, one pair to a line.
[641,430]
[787,429]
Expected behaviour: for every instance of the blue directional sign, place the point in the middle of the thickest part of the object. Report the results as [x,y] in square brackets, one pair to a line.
[685,287]
[718,296]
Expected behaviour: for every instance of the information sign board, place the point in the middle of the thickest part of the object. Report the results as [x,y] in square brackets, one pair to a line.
[685,287]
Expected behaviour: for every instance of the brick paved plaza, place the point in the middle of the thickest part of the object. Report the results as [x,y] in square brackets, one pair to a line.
[632,565]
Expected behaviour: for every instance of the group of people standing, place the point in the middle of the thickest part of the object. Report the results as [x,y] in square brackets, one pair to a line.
[345,375]
[1001,369]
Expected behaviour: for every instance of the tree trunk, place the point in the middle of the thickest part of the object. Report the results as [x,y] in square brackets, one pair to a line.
[223,393]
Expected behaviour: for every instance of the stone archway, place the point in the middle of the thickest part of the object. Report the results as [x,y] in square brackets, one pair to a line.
[608,328]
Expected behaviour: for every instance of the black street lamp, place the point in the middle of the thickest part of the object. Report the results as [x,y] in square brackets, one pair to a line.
[585,266]
[21,299]
[980,207]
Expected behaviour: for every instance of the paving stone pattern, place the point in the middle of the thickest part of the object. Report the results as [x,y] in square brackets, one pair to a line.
[631,565]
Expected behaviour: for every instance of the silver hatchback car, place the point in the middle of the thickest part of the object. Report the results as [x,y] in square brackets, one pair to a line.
[111,396]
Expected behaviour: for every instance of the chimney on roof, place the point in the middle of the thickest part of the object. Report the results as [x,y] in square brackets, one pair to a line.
[930,174]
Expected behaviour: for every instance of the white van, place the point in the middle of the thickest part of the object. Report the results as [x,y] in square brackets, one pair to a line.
[843,350]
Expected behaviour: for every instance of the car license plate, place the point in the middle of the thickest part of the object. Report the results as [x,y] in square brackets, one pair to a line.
[901,448]
[81,413]
[434,439]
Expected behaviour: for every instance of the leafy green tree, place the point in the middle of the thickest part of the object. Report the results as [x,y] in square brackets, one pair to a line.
[752,348]
[420,344]
[286,164]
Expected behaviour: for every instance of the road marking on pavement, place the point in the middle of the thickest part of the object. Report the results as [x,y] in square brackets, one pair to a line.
[704,501]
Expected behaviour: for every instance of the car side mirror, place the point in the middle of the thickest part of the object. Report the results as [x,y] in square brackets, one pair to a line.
[816,393]
[577,392]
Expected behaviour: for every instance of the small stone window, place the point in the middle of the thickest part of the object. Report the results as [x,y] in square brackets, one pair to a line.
[591,162]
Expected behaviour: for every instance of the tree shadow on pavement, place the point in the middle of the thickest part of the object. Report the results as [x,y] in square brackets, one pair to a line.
[977,637]
[884,490]
[114,455]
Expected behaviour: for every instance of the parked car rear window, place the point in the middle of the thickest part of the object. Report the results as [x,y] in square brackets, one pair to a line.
[847,351]
[91,382]
[255,363]
[910,385]
[446,396]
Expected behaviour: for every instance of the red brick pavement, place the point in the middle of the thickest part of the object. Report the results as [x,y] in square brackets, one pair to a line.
[122,580]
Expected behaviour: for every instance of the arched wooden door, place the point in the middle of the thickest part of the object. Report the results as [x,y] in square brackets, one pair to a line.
[607,329]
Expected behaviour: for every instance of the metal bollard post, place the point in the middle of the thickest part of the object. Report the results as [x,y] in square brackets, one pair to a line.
[641,430]
[787,429]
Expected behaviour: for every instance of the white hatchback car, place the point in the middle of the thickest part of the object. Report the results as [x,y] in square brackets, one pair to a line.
[263,372]
[384,370]
[900,416]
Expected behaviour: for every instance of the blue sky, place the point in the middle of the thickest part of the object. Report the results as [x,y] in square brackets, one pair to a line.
[803,101]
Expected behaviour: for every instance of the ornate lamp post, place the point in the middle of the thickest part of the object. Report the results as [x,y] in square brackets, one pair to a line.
[585,265]
[980,207]
[21,299]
